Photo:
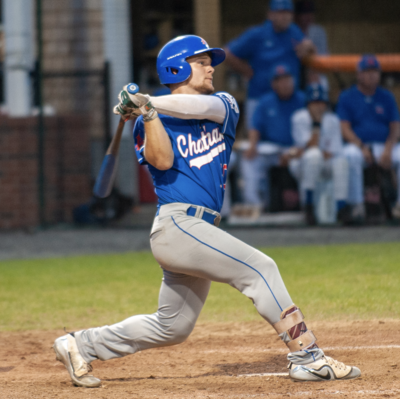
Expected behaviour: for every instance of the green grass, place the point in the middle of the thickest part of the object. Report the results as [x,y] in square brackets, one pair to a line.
[328,282]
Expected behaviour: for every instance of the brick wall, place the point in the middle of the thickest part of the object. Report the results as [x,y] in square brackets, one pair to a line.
[73,41]
[67,170]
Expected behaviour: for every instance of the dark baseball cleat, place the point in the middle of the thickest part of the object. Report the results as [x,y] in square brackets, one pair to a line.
[310,215]
[324,369]
[345,215]
[67,353]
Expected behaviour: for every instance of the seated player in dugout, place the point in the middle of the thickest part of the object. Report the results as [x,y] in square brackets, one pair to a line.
[317,134]
[186,140]
[254,53]
[271,141]
[370,126]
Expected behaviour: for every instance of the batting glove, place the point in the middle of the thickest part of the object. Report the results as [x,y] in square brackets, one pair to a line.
[126,112]
[138,102]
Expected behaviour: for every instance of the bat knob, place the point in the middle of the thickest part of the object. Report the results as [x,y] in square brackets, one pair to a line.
[132,88]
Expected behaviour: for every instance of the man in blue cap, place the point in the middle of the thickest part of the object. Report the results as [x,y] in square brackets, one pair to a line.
[277,41]
[316,132]
[270,138]
[370,126]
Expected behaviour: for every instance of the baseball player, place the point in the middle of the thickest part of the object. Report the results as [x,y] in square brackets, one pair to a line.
[270,138]
[316,131]
[186,140]
[370,125]
[255,52]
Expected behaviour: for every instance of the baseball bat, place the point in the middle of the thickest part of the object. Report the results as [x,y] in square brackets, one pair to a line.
[105,178]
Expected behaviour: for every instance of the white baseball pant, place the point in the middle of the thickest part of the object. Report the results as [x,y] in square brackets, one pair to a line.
[356,165]
[312,168]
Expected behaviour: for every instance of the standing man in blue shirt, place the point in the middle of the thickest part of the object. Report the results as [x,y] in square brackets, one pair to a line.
[271,141]
[370,126]
[186,140]
[258,50]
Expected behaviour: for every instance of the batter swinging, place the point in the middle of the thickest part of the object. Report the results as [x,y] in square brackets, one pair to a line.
[186,140]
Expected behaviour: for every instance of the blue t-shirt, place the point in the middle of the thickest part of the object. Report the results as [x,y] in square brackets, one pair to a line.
[264,48]
[369,116]
[202,150]
[272,117]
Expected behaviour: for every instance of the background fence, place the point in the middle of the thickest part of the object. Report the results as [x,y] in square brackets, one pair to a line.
[49,159]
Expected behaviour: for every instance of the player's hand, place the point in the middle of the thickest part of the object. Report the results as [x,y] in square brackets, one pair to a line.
[291,153]
[316,114]
[305,48]
[251,152]
[126,113]
[367,154]
[386,159]
[139,102]
[134,101]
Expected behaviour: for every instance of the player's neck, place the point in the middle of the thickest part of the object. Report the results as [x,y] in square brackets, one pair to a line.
[367,91]
[183,89]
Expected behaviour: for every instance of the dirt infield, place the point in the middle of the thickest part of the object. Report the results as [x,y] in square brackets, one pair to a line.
[217,361]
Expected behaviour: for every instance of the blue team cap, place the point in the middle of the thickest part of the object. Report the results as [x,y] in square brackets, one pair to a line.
[315,92]
[368,61]
[281,5]
[280,70]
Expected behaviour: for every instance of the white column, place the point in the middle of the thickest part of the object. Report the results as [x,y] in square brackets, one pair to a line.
[117,46]
[207,23]
[117,51]
[19,55]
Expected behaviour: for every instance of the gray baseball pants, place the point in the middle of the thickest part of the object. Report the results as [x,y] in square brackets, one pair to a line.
[192,253]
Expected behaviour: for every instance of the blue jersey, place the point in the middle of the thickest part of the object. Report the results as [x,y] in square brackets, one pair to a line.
[369,116]
[202,150]
[272,117]
[264,48]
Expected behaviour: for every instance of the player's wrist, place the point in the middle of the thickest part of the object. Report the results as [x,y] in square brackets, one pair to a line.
[316,124]
[149,112]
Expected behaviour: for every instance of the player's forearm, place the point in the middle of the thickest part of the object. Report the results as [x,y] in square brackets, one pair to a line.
[349,135]
[157,147]
[254,137]
[314,140]
[394,136]
[305,48]
[238,64]
[191,106]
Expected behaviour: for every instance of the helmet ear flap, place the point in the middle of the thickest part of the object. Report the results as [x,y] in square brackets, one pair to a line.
[174,73]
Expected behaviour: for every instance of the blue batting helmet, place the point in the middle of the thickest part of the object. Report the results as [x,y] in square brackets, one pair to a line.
[315,92]
[172,66]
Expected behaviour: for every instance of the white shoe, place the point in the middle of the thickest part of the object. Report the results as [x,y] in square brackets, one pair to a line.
[396,211]
[67,353]
[358,213]
[324,369]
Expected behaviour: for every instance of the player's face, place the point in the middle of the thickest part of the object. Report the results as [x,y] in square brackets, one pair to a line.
[317,107]
[283,86]
[281,20]
[201,79]
[305,20]
[369,79]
